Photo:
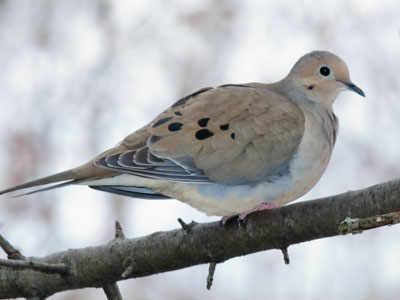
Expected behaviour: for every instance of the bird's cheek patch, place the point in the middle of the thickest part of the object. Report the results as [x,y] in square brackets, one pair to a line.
[310,81]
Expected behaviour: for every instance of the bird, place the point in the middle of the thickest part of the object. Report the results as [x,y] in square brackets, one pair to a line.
[227,150]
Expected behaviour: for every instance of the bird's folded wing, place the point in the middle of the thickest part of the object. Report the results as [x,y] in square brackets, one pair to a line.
[233,134]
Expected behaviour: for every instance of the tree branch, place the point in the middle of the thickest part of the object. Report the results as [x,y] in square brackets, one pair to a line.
[209,242]
[57,268]
[12,253]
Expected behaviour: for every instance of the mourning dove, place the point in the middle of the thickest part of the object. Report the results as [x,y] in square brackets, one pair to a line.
[229,149]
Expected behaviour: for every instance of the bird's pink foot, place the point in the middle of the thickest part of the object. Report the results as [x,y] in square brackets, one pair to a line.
[259,207]
[242,216]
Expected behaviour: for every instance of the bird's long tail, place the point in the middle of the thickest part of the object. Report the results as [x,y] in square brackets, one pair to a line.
[68,177]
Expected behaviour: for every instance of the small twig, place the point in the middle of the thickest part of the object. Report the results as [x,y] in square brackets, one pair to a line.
[18,261]
[119,233]
[210,277]
[12,253]
[112,291]
[285,255]
[186,227]
[36,266]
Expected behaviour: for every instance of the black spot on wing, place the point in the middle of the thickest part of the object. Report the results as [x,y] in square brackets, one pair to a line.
[233,135]
[203,122]
[202,134]
[154,139]
[161,121]
[178,113]
[224,126]
[176,126]
[185,99]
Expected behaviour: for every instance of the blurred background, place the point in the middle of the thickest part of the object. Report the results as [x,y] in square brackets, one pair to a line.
[78,76]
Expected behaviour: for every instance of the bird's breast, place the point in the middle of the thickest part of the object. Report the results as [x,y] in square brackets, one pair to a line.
[306,168]
[313,154]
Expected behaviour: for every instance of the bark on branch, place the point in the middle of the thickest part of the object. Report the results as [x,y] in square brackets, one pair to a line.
[121,258]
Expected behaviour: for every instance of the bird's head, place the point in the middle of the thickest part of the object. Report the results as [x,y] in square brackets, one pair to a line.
[321,76]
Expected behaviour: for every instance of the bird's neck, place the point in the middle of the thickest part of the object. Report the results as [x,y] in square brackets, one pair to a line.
[298,94]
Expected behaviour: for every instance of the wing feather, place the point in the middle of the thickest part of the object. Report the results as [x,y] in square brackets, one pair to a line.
[232,134]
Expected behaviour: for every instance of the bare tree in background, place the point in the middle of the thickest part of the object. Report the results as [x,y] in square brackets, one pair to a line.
[76,77]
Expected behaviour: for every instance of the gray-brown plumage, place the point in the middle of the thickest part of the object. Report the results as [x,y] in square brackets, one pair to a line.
[228,149]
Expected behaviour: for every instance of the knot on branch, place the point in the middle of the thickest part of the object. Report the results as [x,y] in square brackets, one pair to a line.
[358,225]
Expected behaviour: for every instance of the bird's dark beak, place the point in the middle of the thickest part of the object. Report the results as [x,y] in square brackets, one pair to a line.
[352,87]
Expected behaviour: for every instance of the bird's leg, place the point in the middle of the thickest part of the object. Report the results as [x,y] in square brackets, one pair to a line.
[242,216]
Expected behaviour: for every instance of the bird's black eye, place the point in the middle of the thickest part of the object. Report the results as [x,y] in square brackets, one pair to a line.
[325,71]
